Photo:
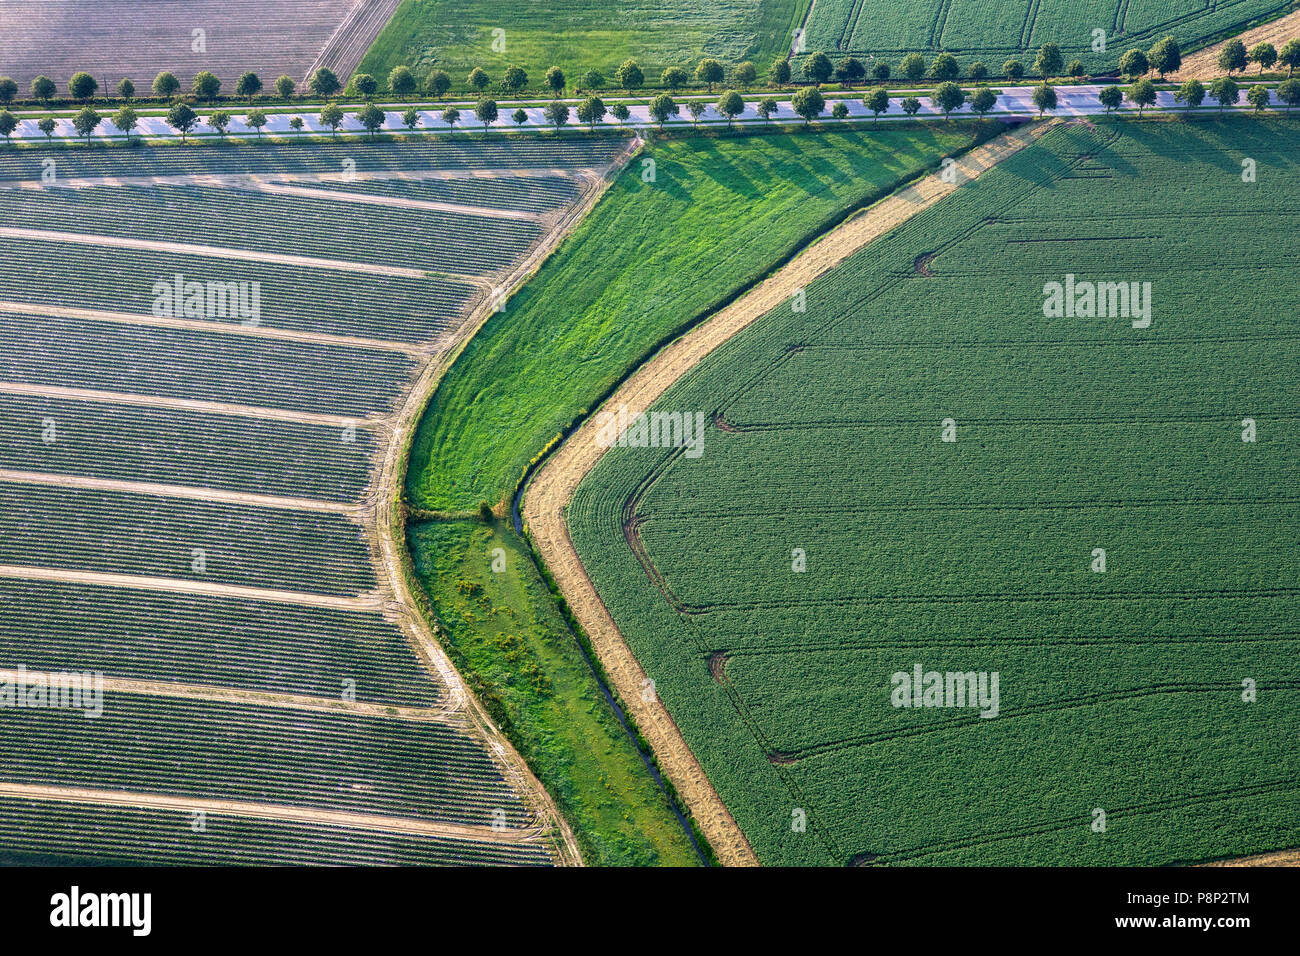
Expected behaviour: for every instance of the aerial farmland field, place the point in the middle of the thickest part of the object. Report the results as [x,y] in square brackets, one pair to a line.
[994,30]
[111,39]
[928,470]
[207,353]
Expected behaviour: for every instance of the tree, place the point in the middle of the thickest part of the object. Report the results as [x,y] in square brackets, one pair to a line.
[284,87]
[1110,97]
[911,106]
[366,85]
[877,102]
[840,110]
[411,119]
[43,89]
[674,78]
[1224,90]
[629,76]
[249,85]
[451,116]
[1257,96]
[295,124]
[219,121]
[948,96]
[86,121]
[182,119]
[520,116]
[592,80]
[880,71]
[1013,69]
[371,118]
[913,66]
[1044,98]
[1265,54]
[332,116]
[1134,64]
[514,80]
[82,86]
[1142,94]
[437,84]
[1233,56]
[1049,61]
[696,108]
[46,125]
[126,120]
[1288,92]
[767,108]
[206,86]
[165,85]
[478,79]
[1289,56]
[1165,56]
[983,100]
[8,89]
[745,74]
[126,89]
[7,124]
[945,68]
[710,71]
[487,112]
[620,112]
[1076,69]
[818,68]
[808,102]
[555,80]
[662,108]
[780,73]
[977,72]
[401,81]
[849,70]
[255,119]
[591,111]
[557,114]
[730,106]
[323,82]
[1192,93]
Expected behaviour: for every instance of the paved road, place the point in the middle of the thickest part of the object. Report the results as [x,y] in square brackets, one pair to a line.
[1013,102]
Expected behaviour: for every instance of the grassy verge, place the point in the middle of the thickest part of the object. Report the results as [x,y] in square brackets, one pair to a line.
[650,260]
[504,632]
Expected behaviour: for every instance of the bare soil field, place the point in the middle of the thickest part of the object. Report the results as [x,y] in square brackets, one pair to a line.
[1203,65]
[111,40]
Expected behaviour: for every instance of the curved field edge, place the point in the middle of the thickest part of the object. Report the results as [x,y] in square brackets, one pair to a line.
[660,231]
[550,490]
[1246,818]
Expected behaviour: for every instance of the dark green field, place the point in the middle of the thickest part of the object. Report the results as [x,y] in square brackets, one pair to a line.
[1120,690]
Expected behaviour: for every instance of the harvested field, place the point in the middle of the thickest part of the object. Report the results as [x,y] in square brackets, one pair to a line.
[111,39]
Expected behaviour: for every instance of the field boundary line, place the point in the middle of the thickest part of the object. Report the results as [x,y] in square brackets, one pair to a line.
[400,202]
[553,486]
[226,328]
[269,811]
[191,492]
[393,560]
[442,713]
[211,252]
[234,180]
[187,404]
[144,582]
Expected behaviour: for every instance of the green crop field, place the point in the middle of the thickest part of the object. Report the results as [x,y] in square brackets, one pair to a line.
[650,258]
[930,468]
[994,30]
[579,35]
